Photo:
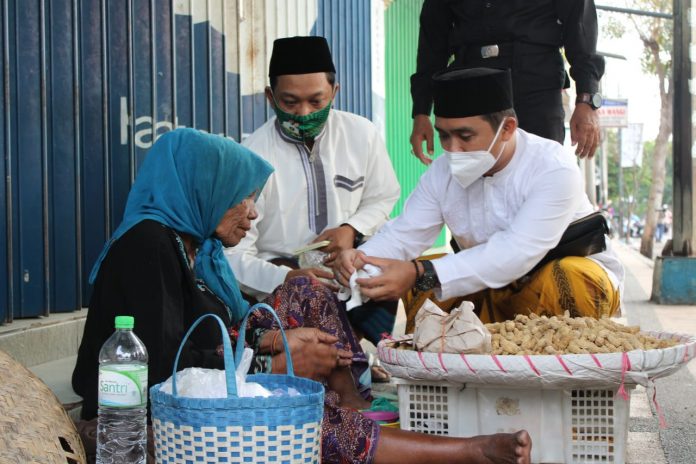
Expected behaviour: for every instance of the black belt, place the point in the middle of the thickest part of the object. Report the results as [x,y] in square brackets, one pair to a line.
[503,49]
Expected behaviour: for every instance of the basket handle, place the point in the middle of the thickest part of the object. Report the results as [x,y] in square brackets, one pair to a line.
[242,333]
[230,367]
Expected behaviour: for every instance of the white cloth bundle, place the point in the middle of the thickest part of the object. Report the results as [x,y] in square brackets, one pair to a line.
[460,331]
[352,293]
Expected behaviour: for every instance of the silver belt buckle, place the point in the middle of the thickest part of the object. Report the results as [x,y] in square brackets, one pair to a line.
[489,51]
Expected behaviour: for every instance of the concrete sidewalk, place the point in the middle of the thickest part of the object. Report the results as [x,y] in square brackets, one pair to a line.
[676,394]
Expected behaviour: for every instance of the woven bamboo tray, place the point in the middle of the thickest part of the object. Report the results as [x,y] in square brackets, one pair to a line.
[34,427]
[553,371]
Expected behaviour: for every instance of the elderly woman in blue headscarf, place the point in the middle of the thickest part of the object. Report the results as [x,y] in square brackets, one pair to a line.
[164,265]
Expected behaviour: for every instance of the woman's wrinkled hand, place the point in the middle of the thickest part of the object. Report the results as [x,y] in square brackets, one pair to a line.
[314,353]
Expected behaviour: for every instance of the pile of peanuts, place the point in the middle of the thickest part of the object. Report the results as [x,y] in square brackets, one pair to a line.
[535,334]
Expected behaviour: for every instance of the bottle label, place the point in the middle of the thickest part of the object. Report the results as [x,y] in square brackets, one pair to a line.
[123,385]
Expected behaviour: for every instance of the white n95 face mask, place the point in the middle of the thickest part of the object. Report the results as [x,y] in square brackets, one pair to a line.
[467,166]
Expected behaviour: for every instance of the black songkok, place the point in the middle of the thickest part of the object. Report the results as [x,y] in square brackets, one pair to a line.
[300,55]
[460,92]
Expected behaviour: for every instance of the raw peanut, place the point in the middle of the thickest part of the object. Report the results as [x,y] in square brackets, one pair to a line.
[534,334]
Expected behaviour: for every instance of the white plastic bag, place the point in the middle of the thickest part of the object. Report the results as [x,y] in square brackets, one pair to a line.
[195,382]
[352,294]
[315,259]
[460,331]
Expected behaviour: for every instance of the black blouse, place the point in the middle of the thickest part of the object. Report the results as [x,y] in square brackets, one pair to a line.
[146,275]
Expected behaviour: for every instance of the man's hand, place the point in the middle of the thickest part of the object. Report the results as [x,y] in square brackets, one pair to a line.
[397,278]
[341,238]
[313,273]
[314,353]
[346,263]
[584,130]
[422,131]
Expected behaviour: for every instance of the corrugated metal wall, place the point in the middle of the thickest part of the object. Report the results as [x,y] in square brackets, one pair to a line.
[88,83]
[401,44]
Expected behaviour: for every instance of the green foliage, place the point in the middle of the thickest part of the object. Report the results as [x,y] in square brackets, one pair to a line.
[655,33]
[637,180]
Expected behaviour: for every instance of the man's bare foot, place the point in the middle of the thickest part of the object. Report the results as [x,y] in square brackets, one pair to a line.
[504,448]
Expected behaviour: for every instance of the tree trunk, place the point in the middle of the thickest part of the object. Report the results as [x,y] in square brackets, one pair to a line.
[657,187]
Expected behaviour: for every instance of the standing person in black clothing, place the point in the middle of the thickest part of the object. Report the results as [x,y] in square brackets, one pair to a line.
[524,36]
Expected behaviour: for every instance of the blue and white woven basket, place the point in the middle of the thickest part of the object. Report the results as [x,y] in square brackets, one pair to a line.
[278,429]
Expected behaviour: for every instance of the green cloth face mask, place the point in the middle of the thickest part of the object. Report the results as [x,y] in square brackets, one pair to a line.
[302,127]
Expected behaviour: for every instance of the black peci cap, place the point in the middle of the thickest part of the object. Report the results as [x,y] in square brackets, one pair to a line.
[300,55]
[464,92]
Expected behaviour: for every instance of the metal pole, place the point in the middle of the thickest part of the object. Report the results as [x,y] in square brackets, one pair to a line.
[683,219]
[654,14]
[590,180]
[623,233]
[605,168]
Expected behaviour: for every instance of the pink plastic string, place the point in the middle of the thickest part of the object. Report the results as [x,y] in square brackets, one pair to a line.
[686,355]
[439,356]
[420,356]
[594,358]
[531,364]
[565,366]
[467,363]
[625,366]
[495,359]
[658,409]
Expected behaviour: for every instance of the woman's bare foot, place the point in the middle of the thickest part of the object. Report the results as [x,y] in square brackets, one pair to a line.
[504,448]
[341,381]
[353,401]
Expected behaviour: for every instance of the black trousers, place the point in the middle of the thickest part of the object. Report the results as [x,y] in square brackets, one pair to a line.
[541,113]
[538,77]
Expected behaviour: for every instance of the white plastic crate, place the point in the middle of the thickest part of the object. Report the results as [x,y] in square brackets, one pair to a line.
[566,426]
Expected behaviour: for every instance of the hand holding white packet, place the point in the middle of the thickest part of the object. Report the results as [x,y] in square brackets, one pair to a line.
[352,293]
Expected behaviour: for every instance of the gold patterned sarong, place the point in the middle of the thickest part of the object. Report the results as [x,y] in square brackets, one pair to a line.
[575,284]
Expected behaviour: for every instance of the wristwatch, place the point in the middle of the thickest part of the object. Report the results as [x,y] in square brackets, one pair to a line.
[592,99]
[428,280]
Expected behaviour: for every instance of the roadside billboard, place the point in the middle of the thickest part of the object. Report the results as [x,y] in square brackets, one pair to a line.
[613,113]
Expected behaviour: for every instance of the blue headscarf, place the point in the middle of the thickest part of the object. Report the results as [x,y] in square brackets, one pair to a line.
[189,179]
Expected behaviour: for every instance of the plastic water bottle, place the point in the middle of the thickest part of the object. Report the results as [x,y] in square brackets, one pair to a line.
[122,423]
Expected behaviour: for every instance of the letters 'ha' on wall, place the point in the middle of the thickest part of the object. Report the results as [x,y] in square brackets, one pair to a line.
[87,86]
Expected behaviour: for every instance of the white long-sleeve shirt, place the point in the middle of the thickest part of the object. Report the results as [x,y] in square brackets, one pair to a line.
[504,223]
[347,178]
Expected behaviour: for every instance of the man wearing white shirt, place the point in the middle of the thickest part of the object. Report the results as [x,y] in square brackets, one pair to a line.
[333,178]
[507,196]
